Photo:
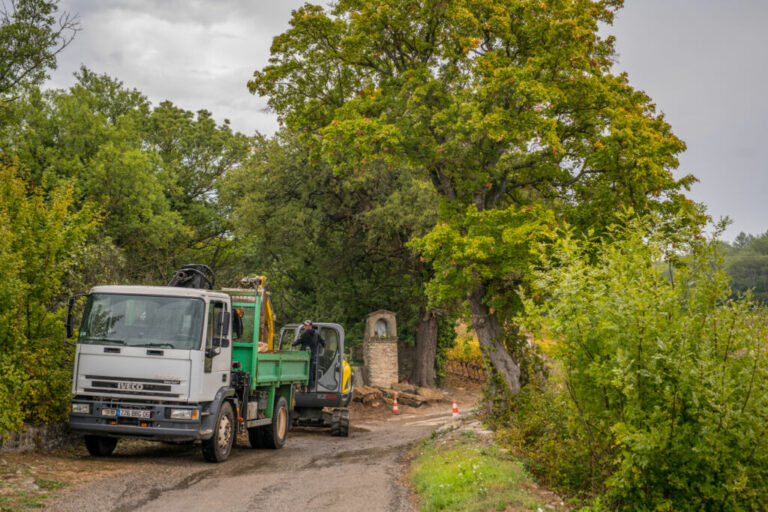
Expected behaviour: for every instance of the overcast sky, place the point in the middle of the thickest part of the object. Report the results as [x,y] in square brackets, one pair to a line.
[704,62]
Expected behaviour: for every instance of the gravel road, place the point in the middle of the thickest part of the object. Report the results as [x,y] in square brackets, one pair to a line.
[314,471]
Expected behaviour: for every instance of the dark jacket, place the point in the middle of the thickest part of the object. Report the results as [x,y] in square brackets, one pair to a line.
[310,338]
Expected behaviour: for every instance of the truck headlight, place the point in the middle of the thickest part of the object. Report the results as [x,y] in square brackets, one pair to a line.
[184,414]
[109,412]
[78,408]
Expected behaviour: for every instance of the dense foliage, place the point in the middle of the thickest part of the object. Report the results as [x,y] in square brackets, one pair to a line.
[40,242]
[153,172]
[659,396]
[436,157]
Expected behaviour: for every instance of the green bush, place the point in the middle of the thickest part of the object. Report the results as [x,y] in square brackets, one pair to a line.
[39,240]
[663,376]
[538,429]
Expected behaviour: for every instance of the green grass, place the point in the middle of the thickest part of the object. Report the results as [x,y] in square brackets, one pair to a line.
[21,500]
[465,473]
[49,485]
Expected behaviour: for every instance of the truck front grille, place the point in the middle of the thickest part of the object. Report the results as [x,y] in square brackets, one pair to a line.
[131,386]
[129,392]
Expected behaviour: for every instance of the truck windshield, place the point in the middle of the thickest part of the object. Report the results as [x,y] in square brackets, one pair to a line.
[143,321]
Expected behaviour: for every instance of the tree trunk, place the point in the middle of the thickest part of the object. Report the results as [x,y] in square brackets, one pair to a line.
[491,339]
[426,349]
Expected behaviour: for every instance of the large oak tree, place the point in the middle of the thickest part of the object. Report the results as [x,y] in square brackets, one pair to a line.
[508,107]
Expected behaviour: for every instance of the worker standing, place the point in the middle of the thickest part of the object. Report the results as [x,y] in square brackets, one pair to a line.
[312,339]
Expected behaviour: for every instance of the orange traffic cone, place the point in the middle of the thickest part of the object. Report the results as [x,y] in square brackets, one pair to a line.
[455,409]
[395,408]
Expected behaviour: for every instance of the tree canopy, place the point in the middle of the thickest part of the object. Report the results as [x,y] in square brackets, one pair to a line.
[504,106]
[32,33]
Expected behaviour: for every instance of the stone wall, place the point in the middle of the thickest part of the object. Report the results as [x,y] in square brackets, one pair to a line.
[32,438]
[381,362]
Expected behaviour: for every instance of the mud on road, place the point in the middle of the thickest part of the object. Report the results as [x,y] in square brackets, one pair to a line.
[313,471]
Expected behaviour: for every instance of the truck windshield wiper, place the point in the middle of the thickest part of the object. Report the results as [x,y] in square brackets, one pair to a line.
[110,340]
[169,345]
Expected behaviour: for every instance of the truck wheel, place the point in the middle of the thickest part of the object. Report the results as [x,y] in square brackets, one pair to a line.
[218,447]
[100,446]
[273,435]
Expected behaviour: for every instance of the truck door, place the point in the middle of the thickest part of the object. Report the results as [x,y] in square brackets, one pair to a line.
[217,365]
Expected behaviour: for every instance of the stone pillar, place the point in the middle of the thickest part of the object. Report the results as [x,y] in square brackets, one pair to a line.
[380,349]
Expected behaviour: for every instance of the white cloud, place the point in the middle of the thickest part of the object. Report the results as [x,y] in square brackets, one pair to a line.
[197,54]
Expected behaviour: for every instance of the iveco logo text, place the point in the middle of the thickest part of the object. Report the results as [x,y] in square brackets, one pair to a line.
[131,386]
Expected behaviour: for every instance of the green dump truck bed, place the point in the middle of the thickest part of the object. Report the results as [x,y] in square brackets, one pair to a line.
[269,367]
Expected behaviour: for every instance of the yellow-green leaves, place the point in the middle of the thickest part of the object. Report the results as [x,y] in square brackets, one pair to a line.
[40,240]
[503,105]
[493,246]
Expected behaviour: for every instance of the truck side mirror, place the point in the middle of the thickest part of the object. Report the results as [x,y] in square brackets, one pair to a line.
[70,305]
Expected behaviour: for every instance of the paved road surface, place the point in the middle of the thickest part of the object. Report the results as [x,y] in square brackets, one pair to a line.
[312,472]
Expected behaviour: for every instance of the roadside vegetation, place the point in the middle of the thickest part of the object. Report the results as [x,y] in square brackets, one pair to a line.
[462,471]
[657,395]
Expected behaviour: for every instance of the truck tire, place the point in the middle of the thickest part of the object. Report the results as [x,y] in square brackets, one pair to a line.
[219,446]
[273,435]
[100,446]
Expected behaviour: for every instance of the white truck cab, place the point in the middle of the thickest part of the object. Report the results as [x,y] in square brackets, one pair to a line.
[153,341]
[150,360]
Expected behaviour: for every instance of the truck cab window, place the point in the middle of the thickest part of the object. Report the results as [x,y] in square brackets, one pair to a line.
[139,320]
[212,332]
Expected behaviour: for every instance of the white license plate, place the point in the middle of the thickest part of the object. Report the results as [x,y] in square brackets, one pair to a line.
[133,413]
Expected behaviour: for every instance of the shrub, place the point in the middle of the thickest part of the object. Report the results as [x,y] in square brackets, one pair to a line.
[39,239]
[663,375]
[538,428]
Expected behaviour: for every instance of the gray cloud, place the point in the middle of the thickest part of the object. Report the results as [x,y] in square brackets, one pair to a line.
[704,62]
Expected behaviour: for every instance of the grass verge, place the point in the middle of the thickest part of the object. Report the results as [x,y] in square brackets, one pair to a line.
[14,498]
[462,471]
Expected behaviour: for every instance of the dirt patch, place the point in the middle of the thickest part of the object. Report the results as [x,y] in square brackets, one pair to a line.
[28,478]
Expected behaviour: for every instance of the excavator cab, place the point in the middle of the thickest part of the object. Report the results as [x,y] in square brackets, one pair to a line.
[325,403]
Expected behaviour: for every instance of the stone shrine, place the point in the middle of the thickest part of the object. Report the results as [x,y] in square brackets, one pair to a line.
[380,349]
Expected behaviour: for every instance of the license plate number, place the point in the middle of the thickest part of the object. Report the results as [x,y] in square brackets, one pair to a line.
[133,413]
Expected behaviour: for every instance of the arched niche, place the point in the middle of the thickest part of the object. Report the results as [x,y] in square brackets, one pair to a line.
[380,328]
